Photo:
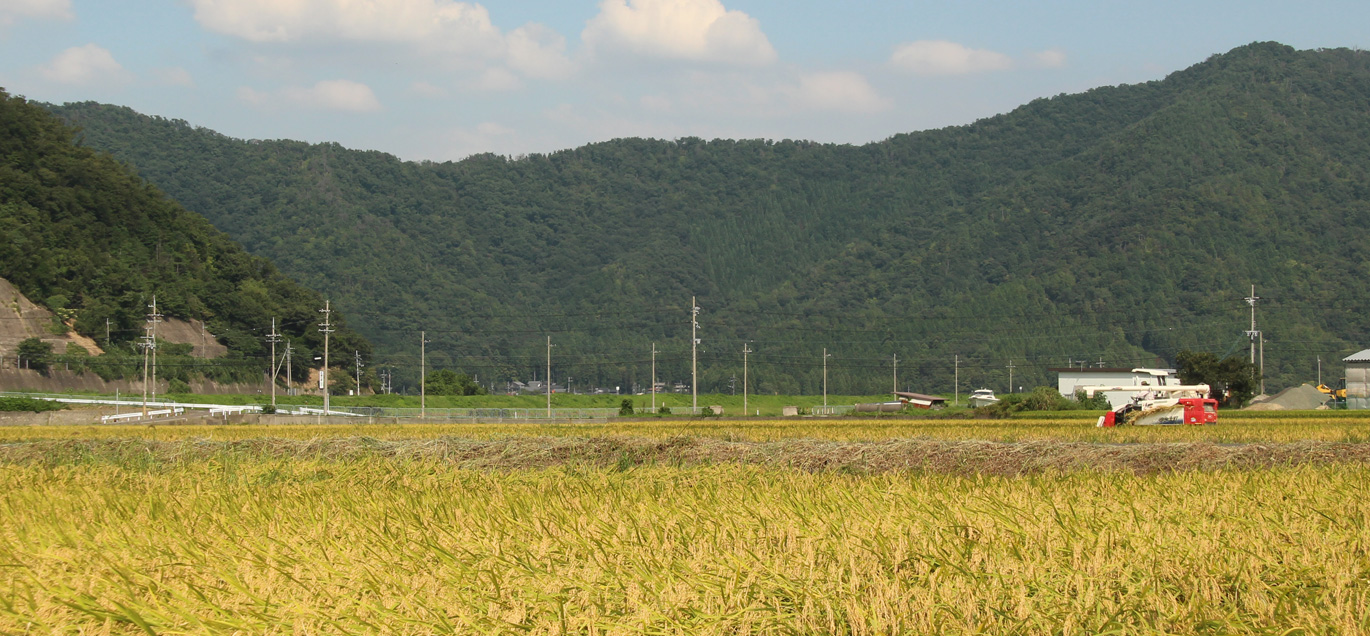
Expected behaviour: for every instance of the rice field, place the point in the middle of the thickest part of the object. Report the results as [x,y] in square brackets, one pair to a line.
[1232,429]
[772,527]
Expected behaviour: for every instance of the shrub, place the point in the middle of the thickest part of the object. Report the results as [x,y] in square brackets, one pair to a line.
[37,355]
[29,404]
[625,407]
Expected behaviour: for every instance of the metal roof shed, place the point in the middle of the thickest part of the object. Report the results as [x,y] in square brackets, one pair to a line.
[1358,380]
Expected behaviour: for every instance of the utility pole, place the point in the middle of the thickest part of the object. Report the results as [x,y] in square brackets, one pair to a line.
[653,377]
[154,318]
[202,338]
[896,372]
[326,328]
[148,344]
[289,362]
[358,356]
[1255,335]
[825,376]
[549,377]
[956,400]
[1010,375]
[289,378]
[1319,370]
[273,338]
[745,350]
[694,357]
[107,333]
[423,374]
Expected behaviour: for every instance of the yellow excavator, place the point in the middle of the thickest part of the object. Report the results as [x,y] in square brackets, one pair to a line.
[1335,394]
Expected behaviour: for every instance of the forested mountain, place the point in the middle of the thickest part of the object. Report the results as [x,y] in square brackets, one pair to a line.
[1118,225]
[87,237]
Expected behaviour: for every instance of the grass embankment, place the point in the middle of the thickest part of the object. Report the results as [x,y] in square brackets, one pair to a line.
[376,545]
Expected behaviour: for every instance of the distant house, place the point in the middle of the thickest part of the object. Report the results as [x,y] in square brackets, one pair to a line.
[919,400]
[1069,378]
[1358,380]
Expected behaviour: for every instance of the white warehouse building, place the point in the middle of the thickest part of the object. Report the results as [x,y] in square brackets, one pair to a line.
[1070,379]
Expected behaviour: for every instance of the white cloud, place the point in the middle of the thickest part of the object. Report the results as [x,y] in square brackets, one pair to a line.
[940,57]
[173,76]
[12,10]
[1050,58]
[494,80]
[842,91]
[390,21]
[434,30]
[691,30]
[538,51]
[343,95]
[89,64]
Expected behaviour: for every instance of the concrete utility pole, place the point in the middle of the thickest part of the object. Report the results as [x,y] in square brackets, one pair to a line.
[273,338]
[289,361]
[956,400]
[107,333]
[326,328]
[896,372]
[653,377]
[1255,335]
[1319,370]
[148,343]
[202,339]
[423,374]
[825,376]
[1010,375]
[745,350]
[694,357]
[358,356]
[549,376]
[154,318]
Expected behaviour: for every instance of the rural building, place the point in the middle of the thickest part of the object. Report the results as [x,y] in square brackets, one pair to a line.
[1068,378]
[1358,380]
[919,400]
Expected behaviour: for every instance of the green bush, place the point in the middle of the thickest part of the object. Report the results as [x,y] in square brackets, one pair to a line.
[29,404]
[178,386]
[37,355]
[1042,398]
[625,407]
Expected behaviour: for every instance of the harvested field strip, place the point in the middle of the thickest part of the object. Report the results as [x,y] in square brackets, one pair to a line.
[1236,429]
[274,546]
[620,452]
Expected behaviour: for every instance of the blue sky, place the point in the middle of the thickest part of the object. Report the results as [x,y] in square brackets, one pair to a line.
[439,80]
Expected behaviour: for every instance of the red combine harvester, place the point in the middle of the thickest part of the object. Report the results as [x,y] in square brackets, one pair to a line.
[1160,405]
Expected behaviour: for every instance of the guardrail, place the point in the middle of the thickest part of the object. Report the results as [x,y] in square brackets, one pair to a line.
[138,415]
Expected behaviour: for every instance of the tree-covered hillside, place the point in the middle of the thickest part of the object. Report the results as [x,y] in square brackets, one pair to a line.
[87,237]
[1118,225]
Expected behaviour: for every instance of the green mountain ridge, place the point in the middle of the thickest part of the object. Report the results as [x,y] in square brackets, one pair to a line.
[85,236]
[1118,225]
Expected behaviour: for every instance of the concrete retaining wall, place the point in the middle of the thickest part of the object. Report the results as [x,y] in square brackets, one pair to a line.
[59,381]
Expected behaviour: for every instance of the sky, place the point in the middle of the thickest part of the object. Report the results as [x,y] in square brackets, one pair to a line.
[442,80]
